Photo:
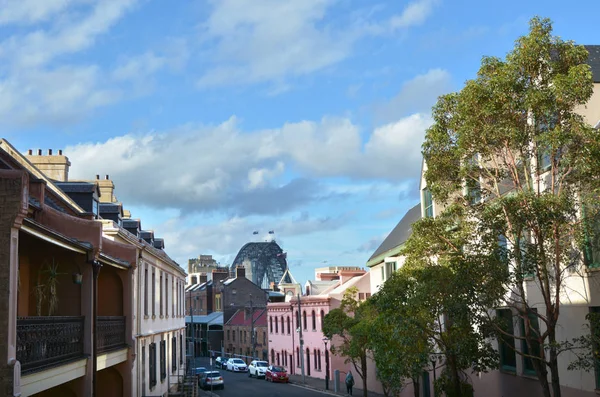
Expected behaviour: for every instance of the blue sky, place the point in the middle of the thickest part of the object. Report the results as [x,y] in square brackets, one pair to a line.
[220,117]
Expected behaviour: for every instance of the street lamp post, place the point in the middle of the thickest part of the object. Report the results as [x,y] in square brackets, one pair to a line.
[325,340]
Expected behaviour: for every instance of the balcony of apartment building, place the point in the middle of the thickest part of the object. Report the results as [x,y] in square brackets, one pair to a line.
[51,324]
[55,311]
[113,324]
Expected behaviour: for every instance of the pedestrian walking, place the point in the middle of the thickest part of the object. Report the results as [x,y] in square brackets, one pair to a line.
[349,382]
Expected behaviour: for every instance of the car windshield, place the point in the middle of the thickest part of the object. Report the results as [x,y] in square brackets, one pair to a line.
[261,364]
[238,361]
[278,369]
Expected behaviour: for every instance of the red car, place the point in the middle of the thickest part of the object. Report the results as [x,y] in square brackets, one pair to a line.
[275,373]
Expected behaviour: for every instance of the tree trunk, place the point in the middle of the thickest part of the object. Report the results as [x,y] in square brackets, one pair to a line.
[363,364]
[542,374]
[416,387]
[554,365]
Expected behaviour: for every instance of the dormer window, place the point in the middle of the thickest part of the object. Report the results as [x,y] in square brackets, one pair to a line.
[95,208]
[427,203]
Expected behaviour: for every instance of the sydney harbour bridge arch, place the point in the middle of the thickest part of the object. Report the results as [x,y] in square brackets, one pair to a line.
[265,262]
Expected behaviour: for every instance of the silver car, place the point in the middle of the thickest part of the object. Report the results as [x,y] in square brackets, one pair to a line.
[257,368]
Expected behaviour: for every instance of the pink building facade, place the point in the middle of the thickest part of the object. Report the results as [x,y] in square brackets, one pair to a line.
[284,332]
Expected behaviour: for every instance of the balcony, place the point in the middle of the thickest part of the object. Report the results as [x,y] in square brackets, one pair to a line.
[111,333]
[44,342]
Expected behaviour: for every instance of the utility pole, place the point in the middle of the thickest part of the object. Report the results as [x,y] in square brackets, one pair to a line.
[252,338]
[301,340]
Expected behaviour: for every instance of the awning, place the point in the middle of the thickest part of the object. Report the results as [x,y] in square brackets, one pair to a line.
[40,231]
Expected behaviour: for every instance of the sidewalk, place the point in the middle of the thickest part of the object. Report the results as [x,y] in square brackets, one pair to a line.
[319,384]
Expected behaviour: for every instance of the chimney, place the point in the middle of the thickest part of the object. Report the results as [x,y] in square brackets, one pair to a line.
[55,167]
[240,272]
[107,189]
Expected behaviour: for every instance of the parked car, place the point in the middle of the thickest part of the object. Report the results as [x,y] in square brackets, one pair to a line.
[275,373]
[219,362]
[199,370]
[257,368]
[236,365]
[211,379]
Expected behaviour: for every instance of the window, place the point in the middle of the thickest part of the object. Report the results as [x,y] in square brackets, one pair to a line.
[146,291]
[278,363]
[282,327]
[174,354]
[264,338]
[152,364]
[523,241]
[288,325]
[276,325]
[594,318]
[314,321]
[180,349]
[534,331]
[228,334]
[245,336]
[272,355]
[271,324]
[297,356]
[160,295]
[304,319]
[143,370]
[544,156]
[167,294]
[382,273]
[173,295]
[427,203]
[218,302]
[591,252]
[322,319]
[506,343]
[95,209]
[390,268]
[315,358]
[153,293]
[361,296]
[319,359]
[163,360]
[233,335]
[473,192]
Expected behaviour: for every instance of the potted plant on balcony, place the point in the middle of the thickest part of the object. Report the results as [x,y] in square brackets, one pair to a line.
[52,284]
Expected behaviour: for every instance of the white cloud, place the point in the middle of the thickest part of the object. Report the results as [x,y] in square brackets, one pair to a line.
[40,84]
[30,11]
[414,14]
[246,174]
[416,95]
[257,41]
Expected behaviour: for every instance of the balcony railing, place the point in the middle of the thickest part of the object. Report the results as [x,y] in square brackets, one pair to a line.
[111,333]
[48,341]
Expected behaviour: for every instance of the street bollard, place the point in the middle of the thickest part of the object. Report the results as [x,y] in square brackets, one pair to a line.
[336,380]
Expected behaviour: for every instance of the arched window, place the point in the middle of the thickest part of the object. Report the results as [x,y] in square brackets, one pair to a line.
[314,321]
[271,323]
[297,356]
[278,363]
[288,324]
[276,326]
[319,361]
[315,358]
[304,319]
[322,318]
[308,361]
[282,327]
[272,356]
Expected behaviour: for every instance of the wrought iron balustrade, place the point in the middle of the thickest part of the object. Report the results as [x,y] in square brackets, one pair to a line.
[48,341]
[111,333]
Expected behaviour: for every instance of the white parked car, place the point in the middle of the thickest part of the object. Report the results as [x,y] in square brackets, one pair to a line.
[257,368]
[236,365]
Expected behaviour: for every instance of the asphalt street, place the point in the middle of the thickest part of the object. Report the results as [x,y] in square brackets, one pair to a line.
[239,385]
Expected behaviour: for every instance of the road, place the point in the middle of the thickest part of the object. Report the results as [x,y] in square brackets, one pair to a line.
[239,384]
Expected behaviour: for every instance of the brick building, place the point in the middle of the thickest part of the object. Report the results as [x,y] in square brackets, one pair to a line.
[238,333]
